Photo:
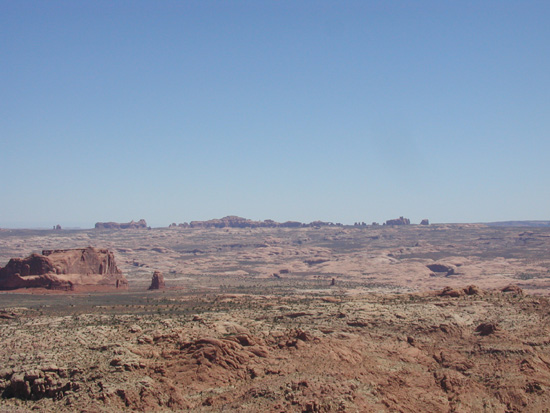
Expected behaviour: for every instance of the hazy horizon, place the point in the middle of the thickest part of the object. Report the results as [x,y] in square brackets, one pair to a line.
[42,226]
[315,110]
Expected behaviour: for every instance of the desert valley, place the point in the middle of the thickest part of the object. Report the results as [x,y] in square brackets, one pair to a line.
[240,315]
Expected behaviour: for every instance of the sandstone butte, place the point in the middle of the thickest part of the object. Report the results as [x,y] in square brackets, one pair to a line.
[157,282]
[63,270]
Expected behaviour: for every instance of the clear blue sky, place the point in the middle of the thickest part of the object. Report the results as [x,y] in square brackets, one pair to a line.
[289,110]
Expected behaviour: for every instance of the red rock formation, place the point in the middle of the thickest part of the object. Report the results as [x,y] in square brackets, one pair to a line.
[62,269]
[157,282]
[451,292]
[116,225]
[459,292]
[473,290]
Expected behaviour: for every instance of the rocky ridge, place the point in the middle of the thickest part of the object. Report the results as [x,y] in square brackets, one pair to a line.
[239,222]
[141,224]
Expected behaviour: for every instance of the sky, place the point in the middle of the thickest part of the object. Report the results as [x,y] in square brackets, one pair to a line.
[340,111]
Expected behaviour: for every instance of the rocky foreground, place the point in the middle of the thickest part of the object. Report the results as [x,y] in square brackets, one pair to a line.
[459,349]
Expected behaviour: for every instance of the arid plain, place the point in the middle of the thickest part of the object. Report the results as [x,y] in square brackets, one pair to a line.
[330,318]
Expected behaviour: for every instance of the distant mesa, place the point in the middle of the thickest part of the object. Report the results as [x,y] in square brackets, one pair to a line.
[238,222]
[63,270]
[57,227]
[116,225]
[157,282]
[233,221]
[398,221]
[425,222]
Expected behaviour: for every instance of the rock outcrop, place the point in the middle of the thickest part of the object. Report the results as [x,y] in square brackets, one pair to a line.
[49,381]
[63,269]
[398,221]
[141,224]
[157,282]
[425,222]
[441,269]
[459,292]
[511,288]
[485,329]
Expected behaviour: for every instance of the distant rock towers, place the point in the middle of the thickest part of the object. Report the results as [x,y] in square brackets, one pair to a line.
[157,282]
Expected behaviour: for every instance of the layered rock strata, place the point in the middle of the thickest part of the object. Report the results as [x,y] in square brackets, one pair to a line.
[63,269]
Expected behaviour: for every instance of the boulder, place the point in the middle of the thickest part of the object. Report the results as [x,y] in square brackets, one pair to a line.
[62,269]
[157,282]
[451,292]
[485,329]
[441,269]
[459,292]
[473,290]
[511,288]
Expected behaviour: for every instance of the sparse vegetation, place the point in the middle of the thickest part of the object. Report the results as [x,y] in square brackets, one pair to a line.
[226,334]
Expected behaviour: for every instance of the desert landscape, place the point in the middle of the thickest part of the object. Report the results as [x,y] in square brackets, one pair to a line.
[275,206]
[239,315]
